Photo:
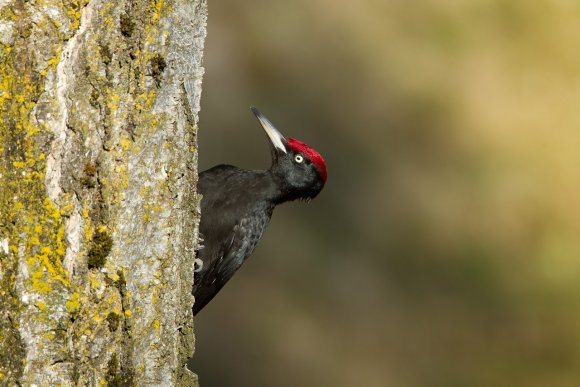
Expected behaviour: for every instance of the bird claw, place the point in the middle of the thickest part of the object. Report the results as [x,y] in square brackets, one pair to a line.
[198,265]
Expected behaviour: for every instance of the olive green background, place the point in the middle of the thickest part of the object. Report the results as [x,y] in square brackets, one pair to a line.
[445,247]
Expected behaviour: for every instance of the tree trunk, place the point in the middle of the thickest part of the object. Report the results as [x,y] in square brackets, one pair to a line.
[98,209]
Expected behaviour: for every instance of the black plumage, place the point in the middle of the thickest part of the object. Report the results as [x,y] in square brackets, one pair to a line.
[237,205]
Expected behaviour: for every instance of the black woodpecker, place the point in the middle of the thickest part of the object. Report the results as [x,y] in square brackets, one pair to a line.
[237,205]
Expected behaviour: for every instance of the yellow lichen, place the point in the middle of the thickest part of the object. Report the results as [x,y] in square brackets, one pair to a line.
[125,143]
[73,12]
[113,101]
[73,303]
[29,219]
[88,228]
[51,64]
[38,283]
[95,281]
[113,276]
[49,335]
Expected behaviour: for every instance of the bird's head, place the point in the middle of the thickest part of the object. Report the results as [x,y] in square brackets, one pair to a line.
[299,169]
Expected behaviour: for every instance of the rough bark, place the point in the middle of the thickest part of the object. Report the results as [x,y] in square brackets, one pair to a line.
[98,165]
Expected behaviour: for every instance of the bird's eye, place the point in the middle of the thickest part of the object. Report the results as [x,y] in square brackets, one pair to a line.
[298,158]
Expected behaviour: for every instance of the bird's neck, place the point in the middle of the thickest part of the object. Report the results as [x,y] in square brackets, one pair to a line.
[263,184]
[271,187]
[280,191]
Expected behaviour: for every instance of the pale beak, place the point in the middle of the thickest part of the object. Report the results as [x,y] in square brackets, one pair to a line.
[275,136]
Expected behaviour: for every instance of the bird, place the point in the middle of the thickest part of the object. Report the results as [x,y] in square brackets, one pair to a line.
[237,205]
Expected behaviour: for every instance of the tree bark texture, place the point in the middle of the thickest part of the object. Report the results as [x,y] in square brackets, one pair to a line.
[98,166]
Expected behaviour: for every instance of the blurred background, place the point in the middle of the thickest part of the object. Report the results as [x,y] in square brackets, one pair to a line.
[445,247]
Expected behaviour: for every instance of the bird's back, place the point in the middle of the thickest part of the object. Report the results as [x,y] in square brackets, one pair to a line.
[232,223]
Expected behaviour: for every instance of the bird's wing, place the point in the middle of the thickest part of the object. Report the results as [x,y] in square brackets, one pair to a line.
[219,266]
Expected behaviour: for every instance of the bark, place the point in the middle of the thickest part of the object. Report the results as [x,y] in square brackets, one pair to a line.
[98,166]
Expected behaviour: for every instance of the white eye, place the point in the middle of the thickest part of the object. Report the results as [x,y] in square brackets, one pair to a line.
[298,158]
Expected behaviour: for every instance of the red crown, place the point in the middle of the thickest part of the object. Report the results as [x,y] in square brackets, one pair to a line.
[311,154]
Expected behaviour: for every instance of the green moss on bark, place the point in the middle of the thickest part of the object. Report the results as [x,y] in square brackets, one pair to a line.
[100,248]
